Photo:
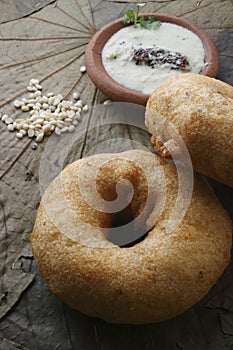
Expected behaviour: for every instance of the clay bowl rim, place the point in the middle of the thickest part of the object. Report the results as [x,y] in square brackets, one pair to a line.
[117,92]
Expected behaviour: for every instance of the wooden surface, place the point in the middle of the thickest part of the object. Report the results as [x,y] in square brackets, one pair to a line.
[46,40]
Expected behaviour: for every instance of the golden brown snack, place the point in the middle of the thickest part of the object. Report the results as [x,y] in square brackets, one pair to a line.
[154,280]
[201,109]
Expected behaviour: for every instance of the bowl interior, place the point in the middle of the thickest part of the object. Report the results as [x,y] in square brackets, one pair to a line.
[117,92]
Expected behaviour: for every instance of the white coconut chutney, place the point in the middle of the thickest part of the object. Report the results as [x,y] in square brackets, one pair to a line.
[118,50]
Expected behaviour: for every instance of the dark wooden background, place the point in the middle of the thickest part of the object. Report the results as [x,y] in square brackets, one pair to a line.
[46,40]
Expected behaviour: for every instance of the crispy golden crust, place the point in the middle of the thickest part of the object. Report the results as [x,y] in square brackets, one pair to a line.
[154,280]
[201,109]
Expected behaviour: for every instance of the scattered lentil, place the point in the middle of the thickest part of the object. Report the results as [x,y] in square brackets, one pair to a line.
[37,93]
[23,132]
[48,113]
[38,86]
[107,102]
[8,121]
[39,137]
[4,117]
[46,128]
[19,126]
[77,116]
[79,104]
[10,127]
[25,126]
[31,133]
[17,104]
[45,105]
[34,146]
[57,131]
[25,108]
[71,128]
[64,129]
[31,88]
[85,108]
[34,81]
[19,135]
[82,69]
[55,101]
[70,114]
[76,96]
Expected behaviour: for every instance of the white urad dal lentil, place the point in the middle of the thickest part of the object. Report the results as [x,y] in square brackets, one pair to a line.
[117,52]
[47,114]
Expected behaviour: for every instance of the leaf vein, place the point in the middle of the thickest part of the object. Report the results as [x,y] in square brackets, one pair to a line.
[41,58]
[59,24]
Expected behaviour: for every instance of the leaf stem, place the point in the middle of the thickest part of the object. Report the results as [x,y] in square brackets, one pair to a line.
[136,16]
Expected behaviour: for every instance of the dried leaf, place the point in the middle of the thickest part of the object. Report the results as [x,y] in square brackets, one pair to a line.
[6,344]
[224,45]
[11,10]
[223,300]
[49,45]
[227,323]
[14,230]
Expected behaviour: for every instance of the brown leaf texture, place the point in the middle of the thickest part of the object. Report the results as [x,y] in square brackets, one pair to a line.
[10,345]
[15,227]
[11,10]
[49,45]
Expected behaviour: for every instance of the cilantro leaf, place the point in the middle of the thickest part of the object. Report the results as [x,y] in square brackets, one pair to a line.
[151,23]
[132,17]
[143,22]
[129,17]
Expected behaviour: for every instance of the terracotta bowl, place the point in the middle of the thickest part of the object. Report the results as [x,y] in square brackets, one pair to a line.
[117,92]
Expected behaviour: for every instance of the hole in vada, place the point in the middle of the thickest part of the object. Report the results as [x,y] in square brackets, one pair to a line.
[123,182]
[123,232]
